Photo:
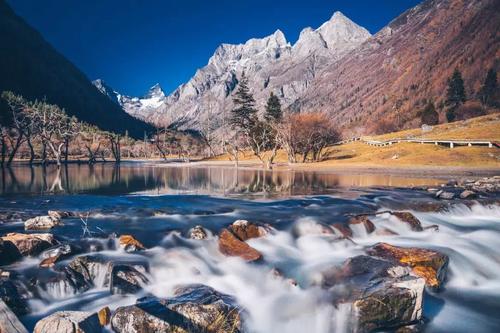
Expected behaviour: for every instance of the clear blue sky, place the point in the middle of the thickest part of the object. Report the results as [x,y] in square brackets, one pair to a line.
[132,44]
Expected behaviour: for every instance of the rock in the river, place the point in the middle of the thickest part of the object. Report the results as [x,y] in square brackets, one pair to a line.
[60,214]
[409,219]
[365,221]
[11,293]
[104,316]
[41,223]
[467,194]
[8,253]
[229,245]
[245,230]
[428,264]
[445,195]
[130,244]
[94,269]
[53,254]
[69,322]
[384,295]
[343,229]
[9,323]
[198,233]
[30,244]
[194,308]
[125,279]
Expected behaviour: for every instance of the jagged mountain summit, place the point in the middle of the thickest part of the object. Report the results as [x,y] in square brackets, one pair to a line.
[271,63]
[139,107]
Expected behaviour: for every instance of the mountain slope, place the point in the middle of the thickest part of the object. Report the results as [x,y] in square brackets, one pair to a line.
[33,68]
[271,64]
[394,73]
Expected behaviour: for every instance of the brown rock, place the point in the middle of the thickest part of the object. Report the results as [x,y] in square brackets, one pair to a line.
[198,233]
[30,244]
[429,264]
[104,316]
[229,245]
[363,219]
[245,230]
[59,214]
[130,244]
[49,262]
[343,229]
[409,219]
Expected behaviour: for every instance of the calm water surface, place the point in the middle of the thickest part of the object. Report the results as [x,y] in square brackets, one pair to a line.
[158,205]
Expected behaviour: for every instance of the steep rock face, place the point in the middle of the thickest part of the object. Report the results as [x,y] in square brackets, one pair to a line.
[31,67]
[271,63]
[394,73]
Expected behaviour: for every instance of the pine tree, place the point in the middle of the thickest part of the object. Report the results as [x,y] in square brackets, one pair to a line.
[489,88]
[429,115]
[273,109]
[455,94]
[244,115]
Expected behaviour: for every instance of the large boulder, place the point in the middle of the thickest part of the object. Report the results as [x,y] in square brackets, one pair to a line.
[230,245]
[9,323]
[126,279]
[428,264]
[8,253]
[41,223]
[69,322]
[29,244]
[383,295]
[194,308]
[93,268]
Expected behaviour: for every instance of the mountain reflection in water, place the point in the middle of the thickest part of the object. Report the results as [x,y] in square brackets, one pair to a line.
[148,179]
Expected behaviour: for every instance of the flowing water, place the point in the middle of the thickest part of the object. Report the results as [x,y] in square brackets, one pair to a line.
[158,205]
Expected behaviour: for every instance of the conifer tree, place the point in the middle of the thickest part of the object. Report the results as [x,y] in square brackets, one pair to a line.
[455,95]
[244,115]
[489,88]
[273,109]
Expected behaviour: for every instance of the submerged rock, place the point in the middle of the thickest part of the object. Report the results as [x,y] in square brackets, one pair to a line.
[245,230]
[41,223]
[9,323]
[69,322]
[343,229]
[365,221]
[29,244]
[229,245]
[125,279]
[198,233]
[194,308]
[428,264]
[409,219]
[130,244]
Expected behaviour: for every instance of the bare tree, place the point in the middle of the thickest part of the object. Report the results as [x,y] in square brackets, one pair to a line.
[114,141]
[92,138]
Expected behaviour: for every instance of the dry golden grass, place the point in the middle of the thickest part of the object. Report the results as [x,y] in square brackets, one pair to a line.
[413,155]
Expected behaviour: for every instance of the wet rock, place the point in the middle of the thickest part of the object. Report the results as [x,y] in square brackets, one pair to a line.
[104,316]
[60,214]
[245,230]
[467,194]
[41,223]
[55,253]
[130,244]
[62,283]
[69,322]
[384,295]
[428,264]
[445,195]
[409,219]
[194,308]
[8,253]
[29,244]
[198,233]
[9,323]
[365,221]
[92,268]
[343,229]
[49,262]
[11,292]
[229,245]
[125,279]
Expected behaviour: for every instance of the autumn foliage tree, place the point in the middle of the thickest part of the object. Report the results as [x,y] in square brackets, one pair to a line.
[429,115]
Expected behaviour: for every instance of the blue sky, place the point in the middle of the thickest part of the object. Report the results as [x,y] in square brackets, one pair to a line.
[132,44]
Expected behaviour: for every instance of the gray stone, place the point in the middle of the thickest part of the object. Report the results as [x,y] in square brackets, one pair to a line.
[467,194]
[41,223]
[198,233]
[9,323]
[69,322]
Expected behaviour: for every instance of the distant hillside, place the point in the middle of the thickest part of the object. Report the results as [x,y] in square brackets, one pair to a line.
[33,68]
